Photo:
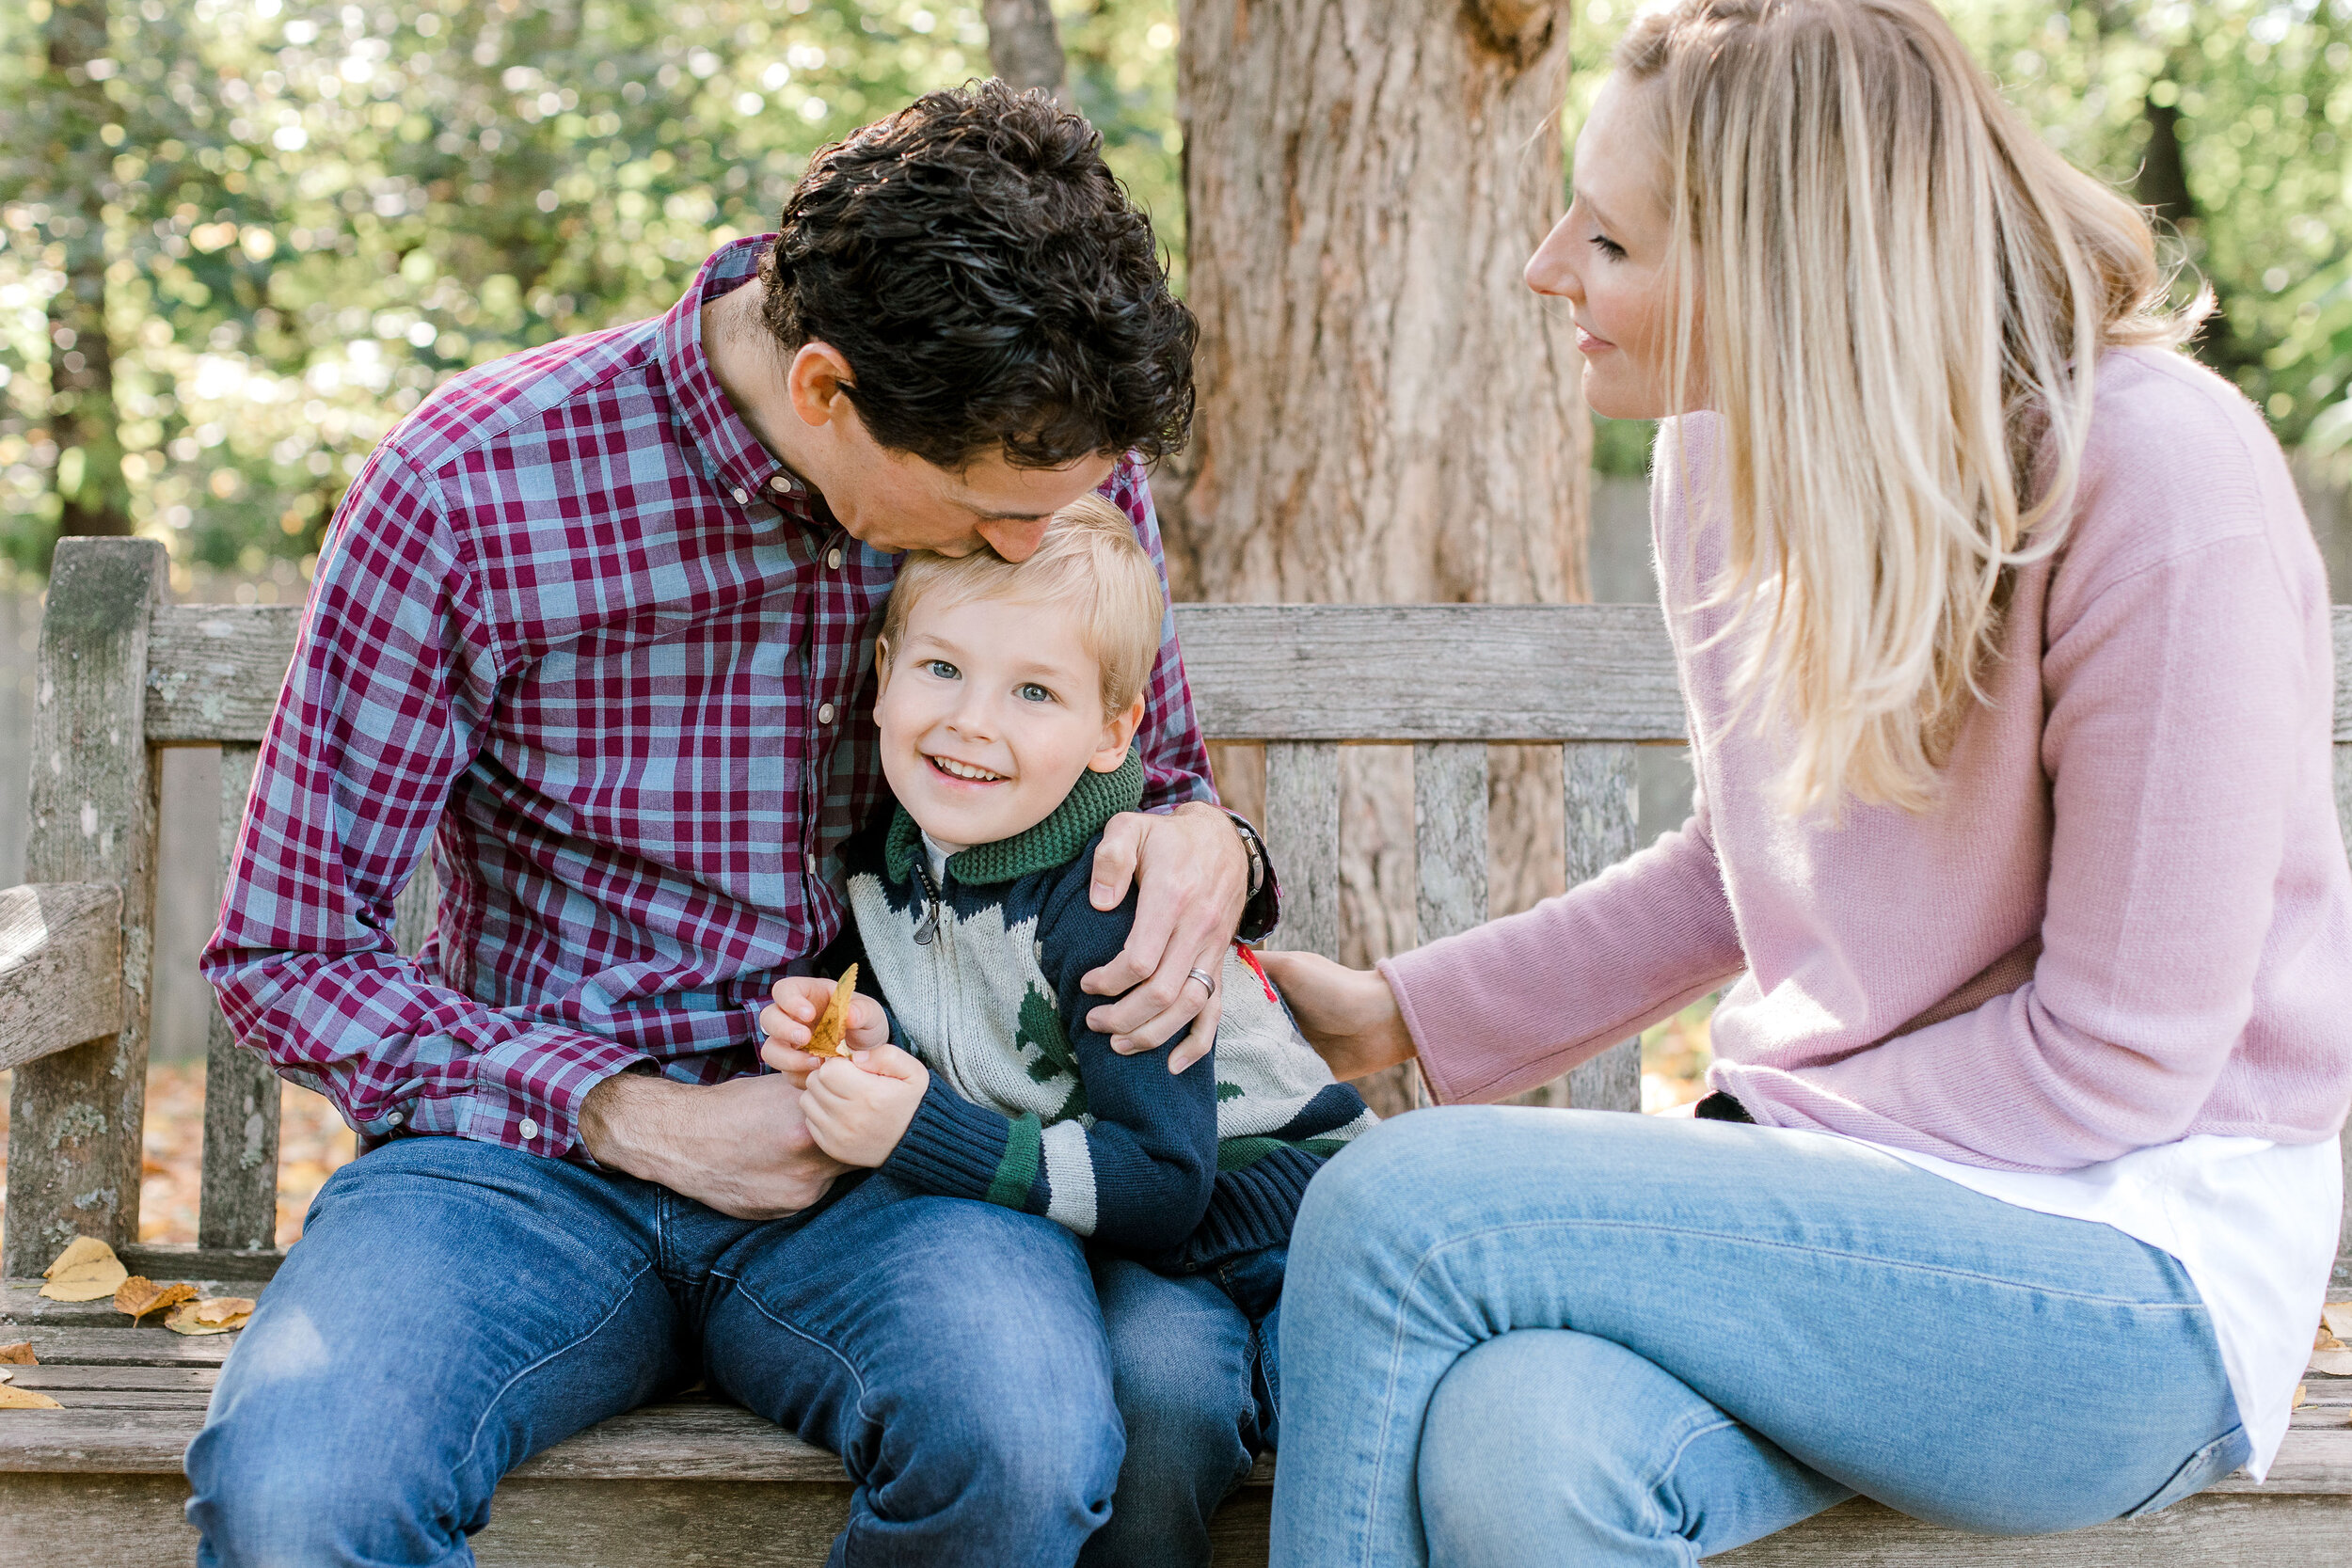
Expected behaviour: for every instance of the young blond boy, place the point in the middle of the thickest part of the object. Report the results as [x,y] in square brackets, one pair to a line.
[1009,697]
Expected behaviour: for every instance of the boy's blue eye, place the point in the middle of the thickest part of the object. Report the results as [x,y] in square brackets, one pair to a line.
[941,668]
[1032,693]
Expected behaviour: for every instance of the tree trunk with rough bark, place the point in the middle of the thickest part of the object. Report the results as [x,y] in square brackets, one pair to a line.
[92,496]
[1024,46]
[1387,413]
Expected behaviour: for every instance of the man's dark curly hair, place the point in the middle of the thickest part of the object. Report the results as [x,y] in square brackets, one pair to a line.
[984,273]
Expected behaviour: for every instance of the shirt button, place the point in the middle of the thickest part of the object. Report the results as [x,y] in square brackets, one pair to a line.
[394,1119]
[833,560]
[529,1129]
[781,485]
[824,714]
[741,494]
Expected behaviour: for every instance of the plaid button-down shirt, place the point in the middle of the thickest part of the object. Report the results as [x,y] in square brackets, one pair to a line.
[575,626]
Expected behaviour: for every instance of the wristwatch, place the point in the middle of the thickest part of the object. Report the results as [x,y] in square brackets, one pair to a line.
[1259,915]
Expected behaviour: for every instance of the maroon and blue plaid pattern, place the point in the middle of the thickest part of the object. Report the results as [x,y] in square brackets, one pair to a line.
[574,623]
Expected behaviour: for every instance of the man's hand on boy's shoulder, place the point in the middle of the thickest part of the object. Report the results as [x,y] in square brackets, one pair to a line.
[1192,878]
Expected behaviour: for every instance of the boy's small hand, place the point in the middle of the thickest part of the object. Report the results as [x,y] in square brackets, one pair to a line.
[787,1020]
[858,1109]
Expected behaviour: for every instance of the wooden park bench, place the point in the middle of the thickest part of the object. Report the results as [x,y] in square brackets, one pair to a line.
[121,674]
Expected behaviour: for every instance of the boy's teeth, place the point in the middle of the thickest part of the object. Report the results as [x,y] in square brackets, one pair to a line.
[962,770]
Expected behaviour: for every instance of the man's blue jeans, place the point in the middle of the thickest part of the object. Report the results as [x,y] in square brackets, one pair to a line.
[1527,1336]
[455,1307]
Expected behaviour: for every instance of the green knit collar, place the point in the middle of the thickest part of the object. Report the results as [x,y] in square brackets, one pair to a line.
[1092,802]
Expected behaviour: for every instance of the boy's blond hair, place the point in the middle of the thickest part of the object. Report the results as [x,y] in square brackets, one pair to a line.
[1090,558]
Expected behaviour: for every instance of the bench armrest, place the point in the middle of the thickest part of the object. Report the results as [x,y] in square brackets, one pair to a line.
[60,966]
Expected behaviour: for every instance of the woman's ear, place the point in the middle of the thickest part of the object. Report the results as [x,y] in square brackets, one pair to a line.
[1117,736]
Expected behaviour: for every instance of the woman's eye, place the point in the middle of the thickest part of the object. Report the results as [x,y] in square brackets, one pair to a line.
[1032,693]
[1609,247]
[941,668]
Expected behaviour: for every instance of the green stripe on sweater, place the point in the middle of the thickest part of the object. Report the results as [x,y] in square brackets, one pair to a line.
[1016,1173]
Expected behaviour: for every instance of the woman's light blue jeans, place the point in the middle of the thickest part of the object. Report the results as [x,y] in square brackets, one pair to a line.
[1531,1337]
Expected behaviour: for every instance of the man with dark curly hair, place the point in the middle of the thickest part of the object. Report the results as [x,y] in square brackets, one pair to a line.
[595,626]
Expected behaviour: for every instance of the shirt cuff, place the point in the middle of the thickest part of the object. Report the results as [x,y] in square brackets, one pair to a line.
[952,1147]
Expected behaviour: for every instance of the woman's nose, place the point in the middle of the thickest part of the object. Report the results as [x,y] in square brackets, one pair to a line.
[1549,271]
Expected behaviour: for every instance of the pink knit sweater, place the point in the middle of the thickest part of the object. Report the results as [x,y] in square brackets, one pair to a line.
[2128,918]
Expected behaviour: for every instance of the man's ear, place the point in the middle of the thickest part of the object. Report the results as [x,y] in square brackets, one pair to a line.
[816,379]
[1117,736]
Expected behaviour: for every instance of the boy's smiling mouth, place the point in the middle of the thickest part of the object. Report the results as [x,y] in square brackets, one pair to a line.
[966,772]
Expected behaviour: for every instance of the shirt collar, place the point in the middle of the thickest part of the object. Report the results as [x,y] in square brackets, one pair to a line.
[745,471]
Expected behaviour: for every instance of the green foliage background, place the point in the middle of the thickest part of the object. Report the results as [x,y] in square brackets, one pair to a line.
[311,213]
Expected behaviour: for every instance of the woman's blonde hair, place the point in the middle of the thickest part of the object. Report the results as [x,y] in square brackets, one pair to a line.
[1898,294]
[1090,558]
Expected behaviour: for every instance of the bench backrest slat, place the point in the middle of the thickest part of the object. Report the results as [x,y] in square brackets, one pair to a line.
[237,1207]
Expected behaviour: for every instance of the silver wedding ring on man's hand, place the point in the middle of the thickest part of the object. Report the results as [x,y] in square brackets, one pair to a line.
[1208,981]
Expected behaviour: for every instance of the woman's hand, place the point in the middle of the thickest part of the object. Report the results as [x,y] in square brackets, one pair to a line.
[1346,1014]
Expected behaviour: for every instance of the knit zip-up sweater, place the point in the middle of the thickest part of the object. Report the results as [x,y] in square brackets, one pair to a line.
[1028,1106]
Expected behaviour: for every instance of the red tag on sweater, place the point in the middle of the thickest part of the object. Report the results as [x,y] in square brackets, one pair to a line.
[1259,970]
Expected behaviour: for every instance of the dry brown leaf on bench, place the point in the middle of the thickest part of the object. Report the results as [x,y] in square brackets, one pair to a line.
[2322,1339]
[826,1036]
[2302,1398]
[19,1354]
[26,1399]
[2336,1318]
[87,1271]
[139,1295]
[212,1315]
[2332,1363]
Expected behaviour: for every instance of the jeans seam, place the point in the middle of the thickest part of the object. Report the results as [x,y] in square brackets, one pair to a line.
[1665,1473]
[473,1439]
[1396,1355]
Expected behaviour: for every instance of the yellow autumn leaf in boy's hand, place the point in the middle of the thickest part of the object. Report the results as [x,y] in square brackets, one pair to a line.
[791,1023]
[857,1110]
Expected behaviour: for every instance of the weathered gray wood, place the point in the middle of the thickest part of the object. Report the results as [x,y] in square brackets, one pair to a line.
[1600,804]
[2203,1531]
[246,1269]
[215,670]
[93,821]
[1302,813]
[122,1347]
[60,949]
[237,1207]
[63,1380]
[1449,837]
[1449,849]
[1357,673]
[414,910]
[1258,671]
[23,1304]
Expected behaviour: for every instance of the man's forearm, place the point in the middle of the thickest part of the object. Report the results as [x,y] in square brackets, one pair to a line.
[740,1147]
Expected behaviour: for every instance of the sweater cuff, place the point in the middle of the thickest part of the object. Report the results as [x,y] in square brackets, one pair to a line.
[952,1147]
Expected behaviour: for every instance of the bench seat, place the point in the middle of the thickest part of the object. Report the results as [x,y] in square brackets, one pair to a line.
[696,1479]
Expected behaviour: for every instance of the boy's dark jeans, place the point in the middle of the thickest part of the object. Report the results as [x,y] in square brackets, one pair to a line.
[455,1307]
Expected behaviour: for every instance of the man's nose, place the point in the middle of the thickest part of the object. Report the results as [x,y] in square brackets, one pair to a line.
[1015,540]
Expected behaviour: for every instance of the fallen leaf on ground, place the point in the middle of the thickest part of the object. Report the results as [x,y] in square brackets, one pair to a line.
[212,1315]
[2332,1363]
[2337,1318]
[2302,1398]
[139,1295]
[2324,1341]
[87,1271]
[26,1399]
[826,1038]
[19,1354]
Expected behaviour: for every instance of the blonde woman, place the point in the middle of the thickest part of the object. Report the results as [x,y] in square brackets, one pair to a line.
[2006,649]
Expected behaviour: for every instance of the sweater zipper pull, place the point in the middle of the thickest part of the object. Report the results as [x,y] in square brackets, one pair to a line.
[927,924]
